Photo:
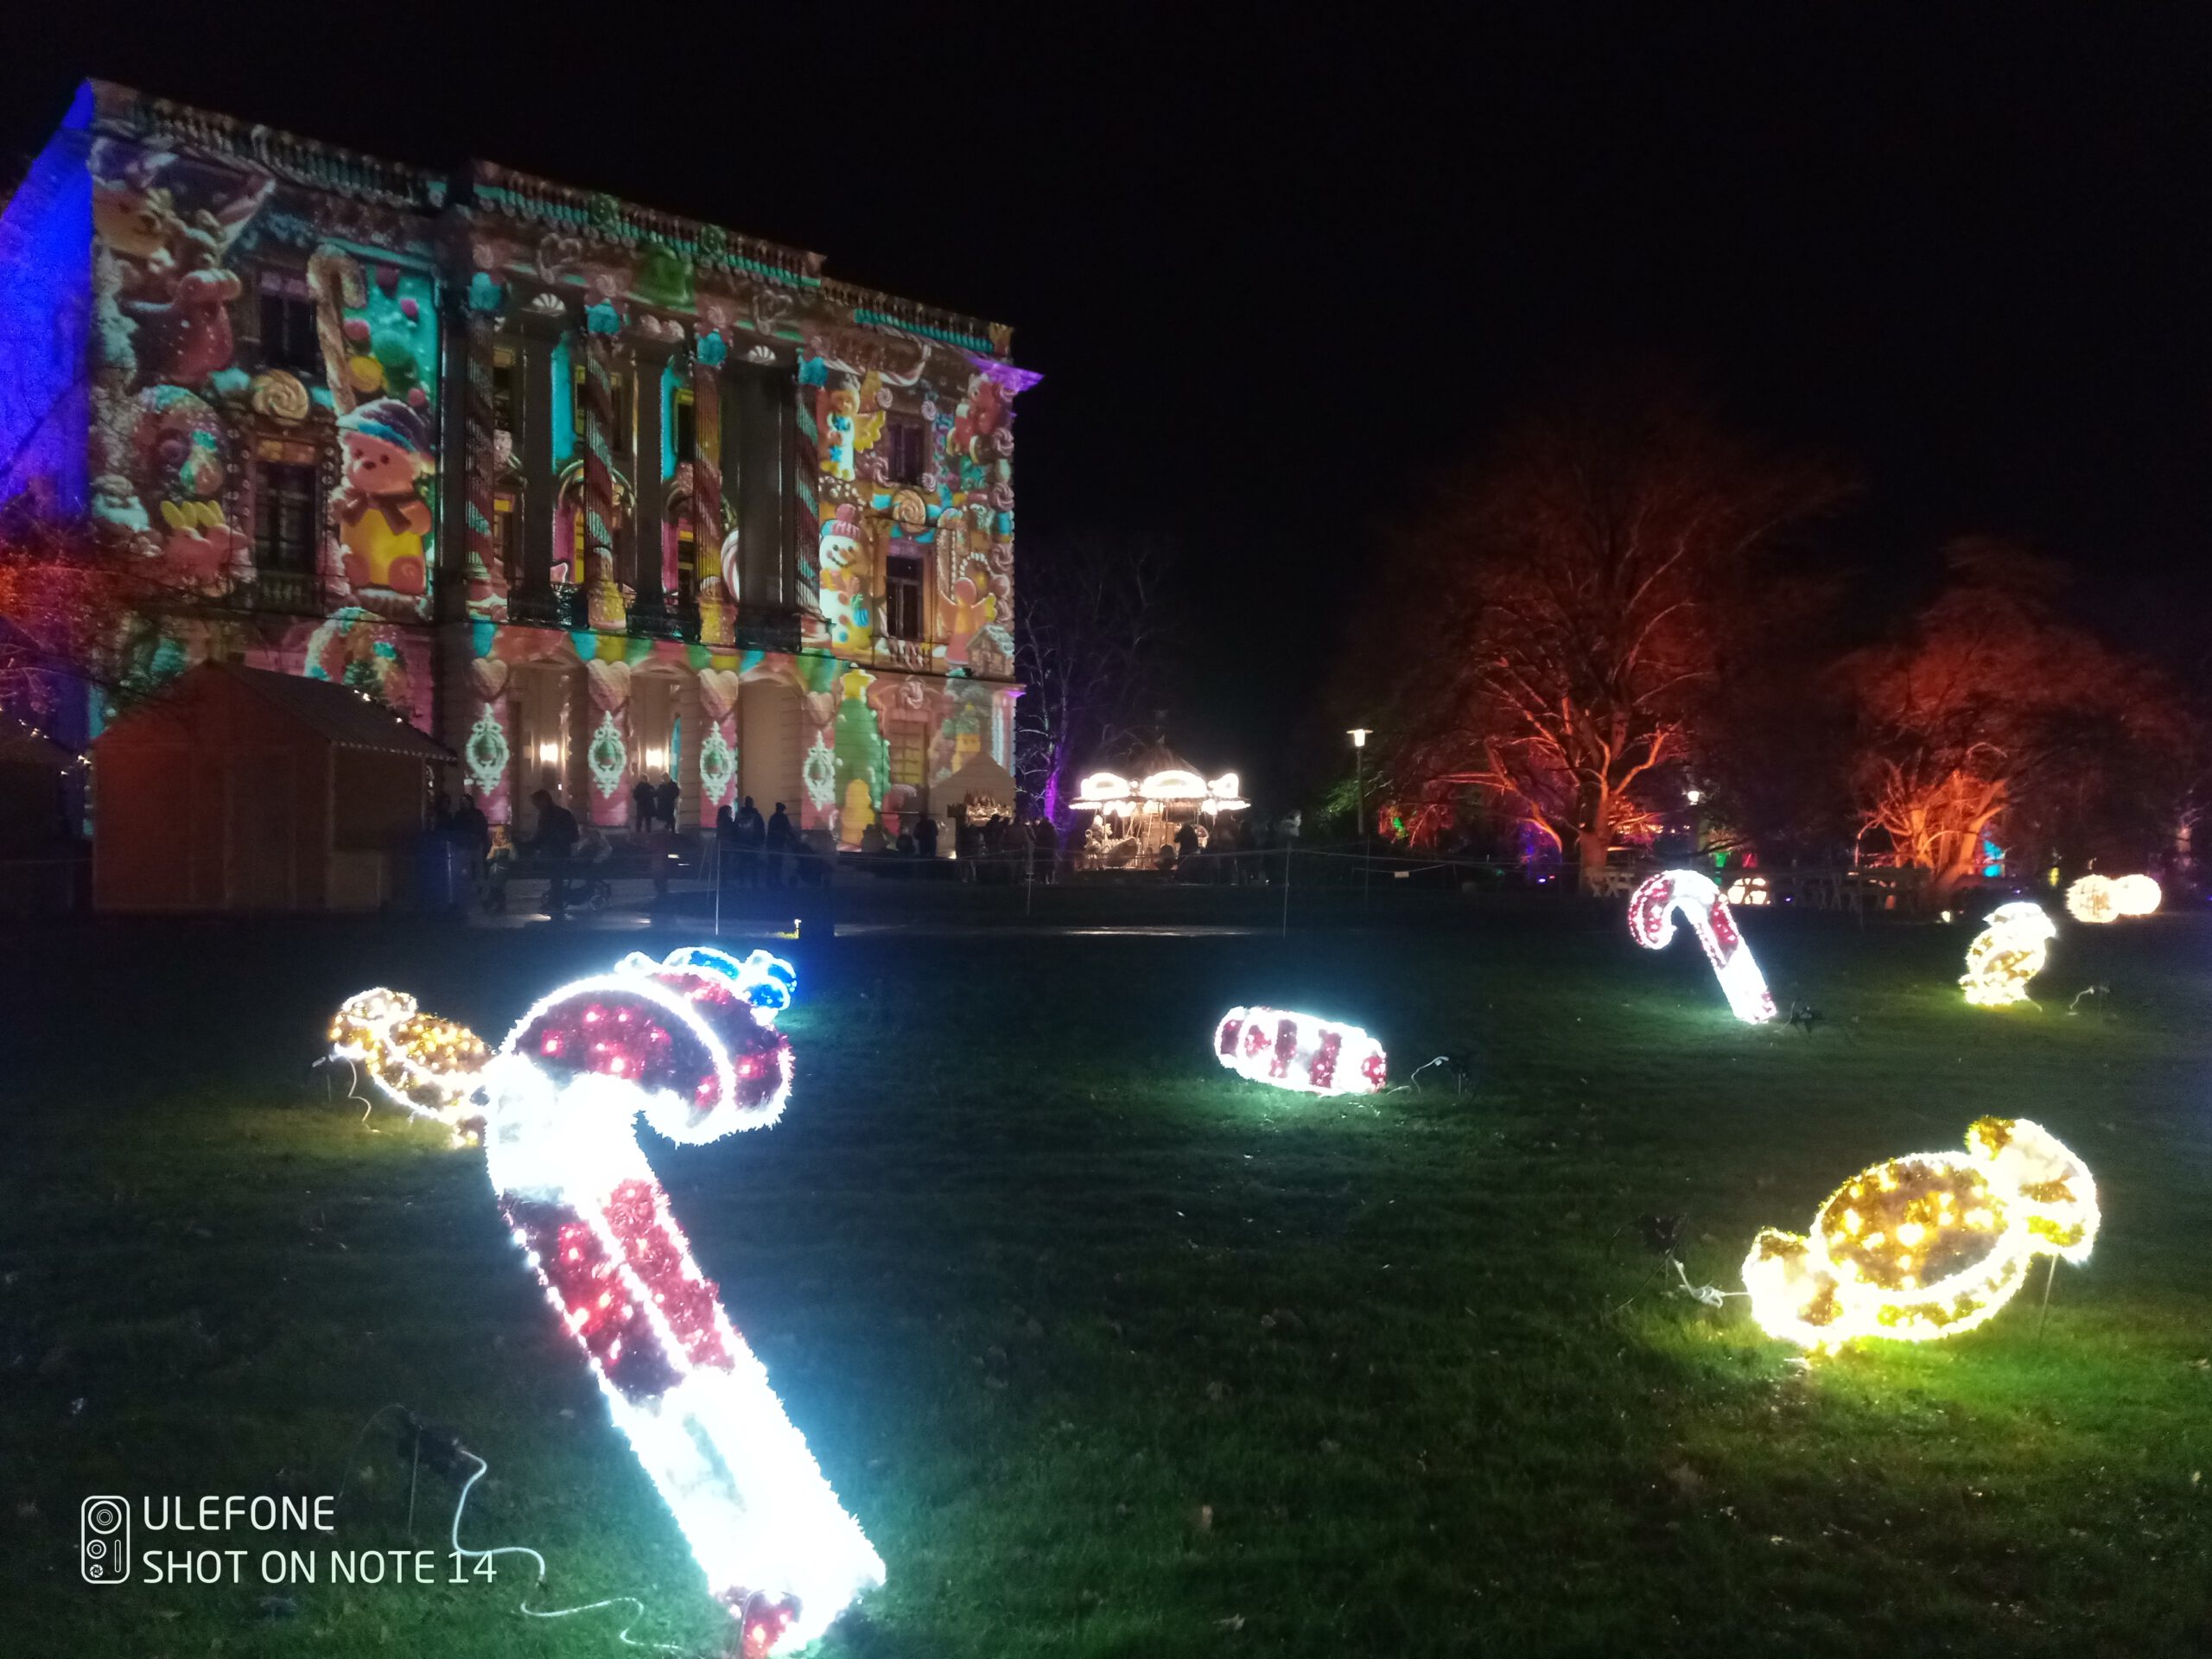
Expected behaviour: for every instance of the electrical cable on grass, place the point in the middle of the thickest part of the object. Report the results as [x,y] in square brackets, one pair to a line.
[461,1504]
[523,1606]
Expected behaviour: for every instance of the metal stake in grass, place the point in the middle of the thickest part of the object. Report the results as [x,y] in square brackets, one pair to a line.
[2047,1278]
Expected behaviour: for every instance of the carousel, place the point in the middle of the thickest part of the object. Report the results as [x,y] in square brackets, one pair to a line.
[1138,812]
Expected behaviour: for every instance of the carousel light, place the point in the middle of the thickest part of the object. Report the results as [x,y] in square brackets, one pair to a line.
[2006,954]
[1176,784]
[1102,787]
[1928,1245]
[1296,1051]
[1651,910]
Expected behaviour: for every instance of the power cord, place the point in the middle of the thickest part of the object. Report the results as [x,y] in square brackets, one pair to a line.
[441,1448]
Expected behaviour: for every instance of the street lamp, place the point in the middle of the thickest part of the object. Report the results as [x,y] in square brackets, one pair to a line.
[1358,735]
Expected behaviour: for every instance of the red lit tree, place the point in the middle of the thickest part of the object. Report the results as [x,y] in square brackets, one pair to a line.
[77,605]
[1562,619]
[1990,715]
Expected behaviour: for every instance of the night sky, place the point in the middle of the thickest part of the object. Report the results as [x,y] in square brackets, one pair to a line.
[1278,278]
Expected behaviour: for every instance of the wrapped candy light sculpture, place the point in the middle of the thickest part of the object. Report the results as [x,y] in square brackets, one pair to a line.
[679,1043]
[1651,910]
[2006,954]
[420,1064]
[1296,1051]
[1926,1246]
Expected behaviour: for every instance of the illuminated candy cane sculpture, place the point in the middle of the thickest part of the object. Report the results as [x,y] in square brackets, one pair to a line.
[1651,910]
[680,1042]
[1296,1051]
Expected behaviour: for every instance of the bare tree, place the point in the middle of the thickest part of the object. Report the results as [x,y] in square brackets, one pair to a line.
[1091,635]
[1582,588]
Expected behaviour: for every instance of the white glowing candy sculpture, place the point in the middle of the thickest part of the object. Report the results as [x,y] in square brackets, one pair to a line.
[2136,895]
[1651,910]
[682,1045]
[423,1064]
[2006,954]
[1928,1245]
[1296,1051]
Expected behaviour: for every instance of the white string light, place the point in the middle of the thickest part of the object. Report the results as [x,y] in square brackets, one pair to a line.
[2006,954]
[1296,1051]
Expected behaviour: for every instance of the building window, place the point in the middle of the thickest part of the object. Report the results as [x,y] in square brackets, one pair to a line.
[507,533]
[687,563]
[902,608]
[503,390]
[284,519]
[288,336]
[910,748]
[686,426]
[905,449]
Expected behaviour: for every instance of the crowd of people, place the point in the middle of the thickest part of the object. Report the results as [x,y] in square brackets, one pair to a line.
[749,849]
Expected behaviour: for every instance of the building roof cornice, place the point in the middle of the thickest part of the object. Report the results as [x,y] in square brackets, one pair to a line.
[122,112]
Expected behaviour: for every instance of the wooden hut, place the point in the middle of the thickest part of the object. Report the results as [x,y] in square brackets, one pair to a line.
[237,789]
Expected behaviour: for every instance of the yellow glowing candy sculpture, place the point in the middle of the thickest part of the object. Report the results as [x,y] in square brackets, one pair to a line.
[2006,954]
[2091,899]
[417,1061]
[1928,1245]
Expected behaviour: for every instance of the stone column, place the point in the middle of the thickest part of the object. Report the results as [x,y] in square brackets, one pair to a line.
[531,589]
[652,357]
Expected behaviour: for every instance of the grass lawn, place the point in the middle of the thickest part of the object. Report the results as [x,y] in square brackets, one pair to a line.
[1114,1354]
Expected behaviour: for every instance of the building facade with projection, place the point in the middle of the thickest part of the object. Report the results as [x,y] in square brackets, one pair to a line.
[593,493]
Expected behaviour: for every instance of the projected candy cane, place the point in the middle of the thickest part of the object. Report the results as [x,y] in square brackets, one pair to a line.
[680,1042]
[1651,923]
[1296,1051]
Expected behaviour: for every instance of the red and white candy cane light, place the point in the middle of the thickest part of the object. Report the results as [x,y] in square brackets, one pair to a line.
[679,1043]
[1296,1051]
[1651,910]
